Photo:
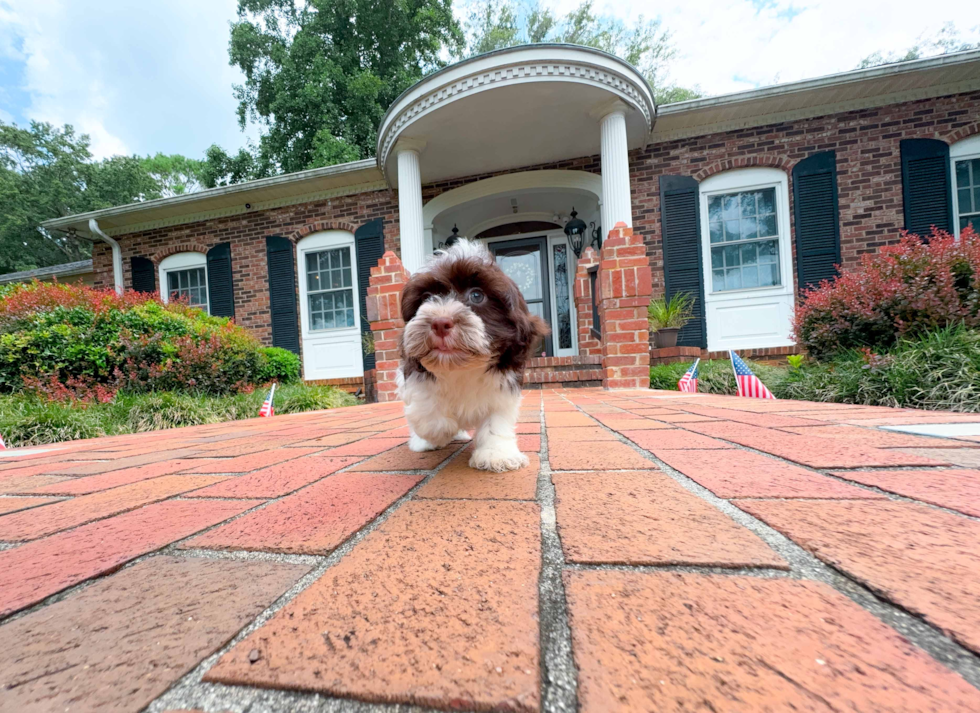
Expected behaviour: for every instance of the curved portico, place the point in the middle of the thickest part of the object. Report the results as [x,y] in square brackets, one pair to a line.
[510,109]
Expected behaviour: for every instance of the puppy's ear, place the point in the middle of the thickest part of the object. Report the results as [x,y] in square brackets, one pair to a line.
[418,289]
[529,329]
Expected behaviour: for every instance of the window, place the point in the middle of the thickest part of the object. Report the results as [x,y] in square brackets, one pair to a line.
[965,163]
[192,284]
[329,289]
[967,174]
[744,234]
[185,275]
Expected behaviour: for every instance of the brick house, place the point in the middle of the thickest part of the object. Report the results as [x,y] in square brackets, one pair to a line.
[739,200]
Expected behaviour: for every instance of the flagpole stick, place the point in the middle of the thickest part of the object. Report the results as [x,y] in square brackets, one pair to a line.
[731,352]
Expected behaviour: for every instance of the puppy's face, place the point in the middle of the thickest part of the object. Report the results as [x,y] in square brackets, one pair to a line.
[461,311]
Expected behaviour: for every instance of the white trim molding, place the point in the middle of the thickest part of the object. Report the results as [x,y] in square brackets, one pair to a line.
[516,65]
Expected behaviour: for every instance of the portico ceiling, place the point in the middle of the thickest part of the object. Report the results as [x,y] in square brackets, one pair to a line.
[517,107]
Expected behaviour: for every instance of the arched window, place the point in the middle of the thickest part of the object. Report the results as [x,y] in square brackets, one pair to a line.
[185,275]
[964,159]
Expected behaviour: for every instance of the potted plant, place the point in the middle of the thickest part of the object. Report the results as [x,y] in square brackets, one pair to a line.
[666,317]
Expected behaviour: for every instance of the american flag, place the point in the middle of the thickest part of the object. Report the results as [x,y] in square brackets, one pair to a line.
[689,382]
[267,409]
[748,383]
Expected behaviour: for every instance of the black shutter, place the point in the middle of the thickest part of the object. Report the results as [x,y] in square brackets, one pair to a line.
[282,292]
[680,226]
[369,242]
[221,290]
[925,186]
[817,218]
[144,274]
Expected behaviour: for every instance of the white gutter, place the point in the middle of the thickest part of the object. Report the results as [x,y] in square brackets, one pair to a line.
[117,268]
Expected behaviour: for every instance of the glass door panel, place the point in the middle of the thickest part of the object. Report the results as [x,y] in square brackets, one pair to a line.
[525,262]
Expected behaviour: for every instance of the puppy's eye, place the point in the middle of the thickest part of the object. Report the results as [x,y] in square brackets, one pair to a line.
[476,297]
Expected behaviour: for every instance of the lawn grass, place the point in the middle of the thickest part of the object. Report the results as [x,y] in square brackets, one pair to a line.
[26,420]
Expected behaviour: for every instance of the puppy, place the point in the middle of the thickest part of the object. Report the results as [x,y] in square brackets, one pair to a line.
[468,334]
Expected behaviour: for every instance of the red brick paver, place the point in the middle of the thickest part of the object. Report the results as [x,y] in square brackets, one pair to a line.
[435,580]
[955,489]
[925,560]
[314,520]
[687,642]
[31,572]
[123,641]
[743,474]
[437,607]
[647,518]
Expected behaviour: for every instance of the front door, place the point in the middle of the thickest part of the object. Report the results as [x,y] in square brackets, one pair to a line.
[329,309]
[525,261]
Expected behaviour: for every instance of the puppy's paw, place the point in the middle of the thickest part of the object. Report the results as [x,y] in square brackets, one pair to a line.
[498,459]
[462,436]
[418,444]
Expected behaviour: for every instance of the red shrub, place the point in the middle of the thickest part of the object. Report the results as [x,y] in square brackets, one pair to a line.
[904,290]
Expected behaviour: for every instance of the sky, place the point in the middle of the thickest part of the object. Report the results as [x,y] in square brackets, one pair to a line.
[153,75]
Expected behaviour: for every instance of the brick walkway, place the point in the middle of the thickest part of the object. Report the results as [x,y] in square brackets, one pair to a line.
[661,552]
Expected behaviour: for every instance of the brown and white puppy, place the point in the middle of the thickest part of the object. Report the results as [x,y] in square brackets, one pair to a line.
[468,334]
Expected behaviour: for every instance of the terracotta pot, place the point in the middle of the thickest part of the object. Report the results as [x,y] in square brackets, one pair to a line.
[666,337]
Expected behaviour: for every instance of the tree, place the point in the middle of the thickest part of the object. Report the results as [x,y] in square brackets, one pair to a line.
[496,24]
[47,172]
[319,75]
[946,40]
[175,174]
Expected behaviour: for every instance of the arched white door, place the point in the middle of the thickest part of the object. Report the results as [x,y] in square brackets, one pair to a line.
[329,310]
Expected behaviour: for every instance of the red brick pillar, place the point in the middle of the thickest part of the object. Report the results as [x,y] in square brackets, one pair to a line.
[384,312]
[625,286]
[587,342]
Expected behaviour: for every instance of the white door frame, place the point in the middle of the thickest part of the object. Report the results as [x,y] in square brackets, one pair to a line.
[342,345]
[555,236]
[759,304]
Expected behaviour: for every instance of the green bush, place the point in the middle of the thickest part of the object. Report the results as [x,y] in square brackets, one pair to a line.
[277,364]
[27,419]
[68,342]
[714,377]
[938,371]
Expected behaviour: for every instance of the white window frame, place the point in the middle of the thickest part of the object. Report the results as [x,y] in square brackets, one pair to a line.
[322,242]
[721,306]
[964,150]
[740,181]
[178,262]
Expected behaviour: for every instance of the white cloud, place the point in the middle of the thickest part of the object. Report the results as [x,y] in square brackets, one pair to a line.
[138,77]
[730,45]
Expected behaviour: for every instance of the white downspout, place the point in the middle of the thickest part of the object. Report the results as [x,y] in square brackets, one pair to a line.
[117,268]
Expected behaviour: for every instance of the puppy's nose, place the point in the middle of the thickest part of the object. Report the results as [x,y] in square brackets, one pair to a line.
[442,326]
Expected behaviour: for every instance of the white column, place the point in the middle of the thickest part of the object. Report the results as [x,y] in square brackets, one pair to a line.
[410,205]
[617,206]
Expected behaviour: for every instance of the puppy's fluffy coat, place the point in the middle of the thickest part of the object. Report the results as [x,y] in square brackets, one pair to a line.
[468,334]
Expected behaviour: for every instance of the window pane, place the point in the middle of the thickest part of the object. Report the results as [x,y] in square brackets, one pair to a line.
[716,231]
[767,225]
[732,230]
[731,207]
[750,277]
[731,256]
[714,208]
[962,173]
[976,200]
[717,258]
[750,228]
[733,278]
[972,220]
[964,200]
[190,284]
[976,171]
[563,309]
[718,280]
[767,201]
[750,254]
[748,205]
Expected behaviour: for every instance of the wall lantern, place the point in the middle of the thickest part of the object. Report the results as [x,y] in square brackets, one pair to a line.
[451,240]
[576,231]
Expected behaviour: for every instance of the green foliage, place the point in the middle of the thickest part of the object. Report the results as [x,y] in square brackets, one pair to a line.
[946,40]
[279,365]
[670,314]
[938,371]
[715,376]
[795,360]
[319,75]
[27,420]
[175,174]
[47,172]
[496,24]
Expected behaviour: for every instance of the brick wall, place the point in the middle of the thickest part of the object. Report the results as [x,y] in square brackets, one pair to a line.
[869,180]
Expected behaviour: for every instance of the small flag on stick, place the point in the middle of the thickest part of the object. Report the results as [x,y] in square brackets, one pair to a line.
[748,383]
[3,446]
[268,410]
[689,382]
